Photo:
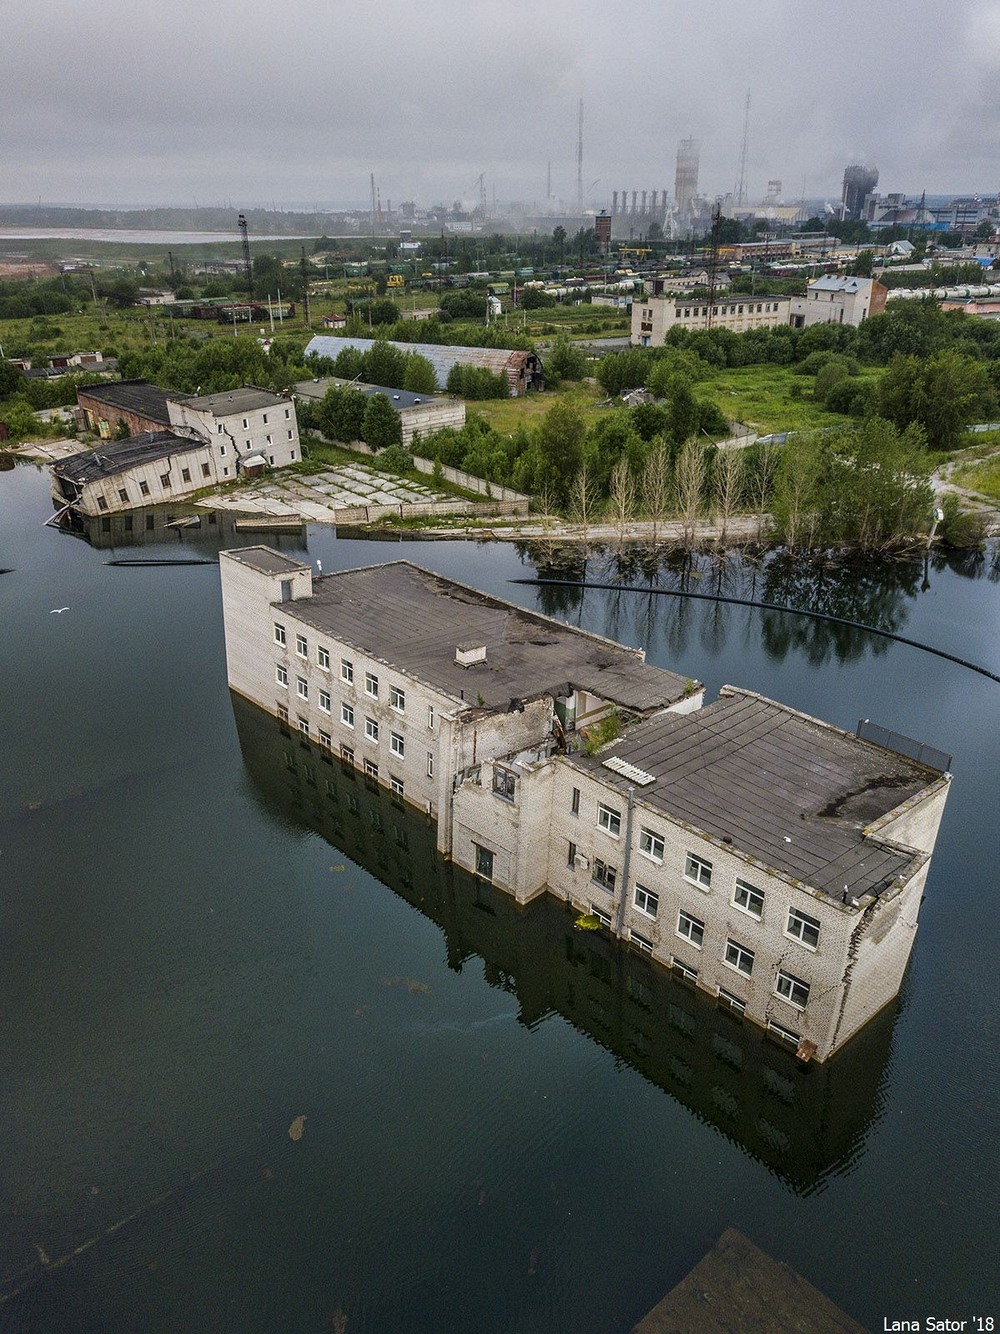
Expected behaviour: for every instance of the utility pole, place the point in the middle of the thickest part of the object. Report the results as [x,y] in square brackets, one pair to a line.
[713,260]
[373,208]
[305,288]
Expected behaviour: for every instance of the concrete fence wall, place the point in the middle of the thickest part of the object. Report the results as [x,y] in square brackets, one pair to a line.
[429,509]
[456,476]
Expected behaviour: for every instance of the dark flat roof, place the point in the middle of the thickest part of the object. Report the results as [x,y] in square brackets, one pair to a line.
[399,398]
[225,404]
[133,396]
[414,620]
[737,1288]
[266,560]
[117,456]
[791,792]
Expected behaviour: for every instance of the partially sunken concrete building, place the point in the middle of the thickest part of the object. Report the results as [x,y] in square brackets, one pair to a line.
[767,859]
[522,369]
[175,445]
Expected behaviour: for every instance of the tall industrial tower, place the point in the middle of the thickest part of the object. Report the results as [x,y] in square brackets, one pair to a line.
[859,182]
[579,159]
[686,177]
[247,261]
[741,183]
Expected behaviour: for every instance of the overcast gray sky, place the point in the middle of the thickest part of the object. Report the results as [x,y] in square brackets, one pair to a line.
[260,100]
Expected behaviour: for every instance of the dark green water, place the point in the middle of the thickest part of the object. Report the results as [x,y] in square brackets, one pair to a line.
[207,932]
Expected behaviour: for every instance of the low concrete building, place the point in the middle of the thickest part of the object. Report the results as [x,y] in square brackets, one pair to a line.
[654,315]
[228,435]
[148,469]
[252,428]
[832,299]
[523,369]
[416,412]
[766,858]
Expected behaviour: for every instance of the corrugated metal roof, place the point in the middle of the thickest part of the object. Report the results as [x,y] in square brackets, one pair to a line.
[136,396]
[442,358]
[830,282]
[792,792]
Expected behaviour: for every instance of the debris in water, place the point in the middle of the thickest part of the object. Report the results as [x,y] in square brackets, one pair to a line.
[42,1254]
[295,1129]
[533,1259]
[338,867]
[267,1173]
[588,922]
[338,1321]
[413,986]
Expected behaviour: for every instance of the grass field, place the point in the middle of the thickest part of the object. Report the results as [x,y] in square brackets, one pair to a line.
[507,414]
[768,398]
[983,477]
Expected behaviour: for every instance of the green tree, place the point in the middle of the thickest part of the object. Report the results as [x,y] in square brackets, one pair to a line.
[619,372]
[559,451]
[943,394]
[419,376]
[381,426]
[565,360]
[559,236]
[341,413]
[384,364]
[11,379]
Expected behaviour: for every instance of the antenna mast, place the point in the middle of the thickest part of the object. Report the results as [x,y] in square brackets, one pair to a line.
[247,261]
[741,184]
[579,159]
[305,288]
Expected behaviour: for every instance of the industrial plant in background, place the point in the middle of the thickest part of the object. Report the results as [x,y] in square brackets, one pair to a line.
[859,182]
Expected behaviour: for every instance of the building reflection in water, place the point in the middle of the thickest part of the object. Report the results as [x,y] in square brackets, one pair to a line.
[803,1123]
[206,532]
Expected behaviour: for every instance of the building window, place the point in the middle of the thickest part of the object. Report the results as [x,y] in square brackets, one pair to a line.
[325,739]
[165,481]
[691,928]
[430,717]
[371,729]
[144,488]
[123,494]
[600,914]
[484,861]
[323,658]
[396,744]
[371,769]
[430,764]
[396,785]
[222,450]
[282,713]
[206,470]
[346,670]
[265,418]
[246,424]
[646,901]
[651,845]
[684,971]
[290,436]
[281,675]
[571,853]
[185,474]
[748,899]
[803,927]
[783,1034]
[102,504]
[301,647]
[739,957]
[574,805]
[225,472]
[735,1004]
[604,875]
[698,871]
[324,700]
[640,942]
[609,819]
[371,685]
[279,633]
[397,699]
[792,989]
[504,783]
[302,687]
[347,715]
[287,413]
[304,726]
[347,755]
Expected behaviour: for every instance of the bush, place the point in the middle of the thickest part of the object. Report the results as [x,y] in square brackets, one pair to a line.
[395,459]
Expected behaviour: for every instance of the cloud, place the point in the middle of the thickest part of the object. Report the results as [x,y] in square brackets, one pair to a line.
[259,100]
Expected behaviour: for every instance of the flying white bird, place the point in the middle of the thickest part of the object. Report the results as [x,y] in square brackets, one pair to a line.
[56,610]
